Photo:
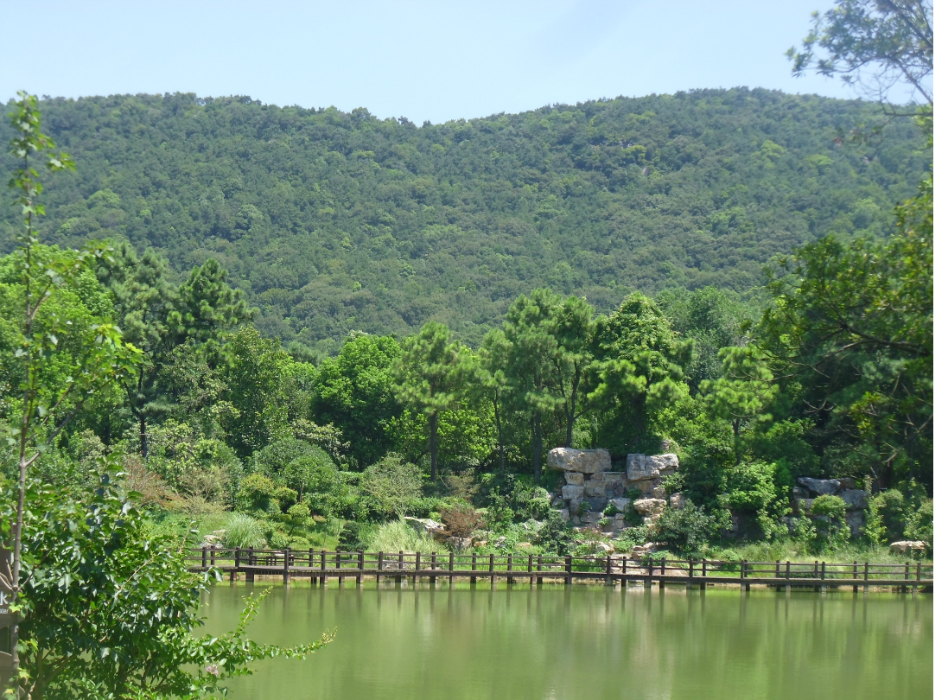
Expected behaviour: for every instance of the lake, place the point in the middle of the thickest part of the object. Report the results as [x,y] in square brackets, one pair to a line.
[587,642]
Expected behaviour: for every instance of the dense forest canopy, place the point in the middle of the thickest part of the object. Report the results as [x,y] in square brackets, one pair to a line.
[333,222]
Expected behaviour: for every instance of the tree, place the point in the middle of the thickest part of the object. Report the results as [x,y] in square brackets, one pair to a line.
[744,390]
[529,364]
[354,393]
[392,484]
[100,355]
[873,45]
[158,317]
[573,327]
[428,378]
[639,361]
[112,612]
[254,372]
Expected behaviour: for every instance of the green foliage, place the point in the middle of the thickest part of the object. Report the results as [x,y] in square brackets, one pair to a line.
[392,486]
[594,199]
[919,523]
[428,379]
[829,517]
[258,494]
[398,536]
[639,363]
[109,612]
[244,531]
[686,530]
[353,392]
[351,537]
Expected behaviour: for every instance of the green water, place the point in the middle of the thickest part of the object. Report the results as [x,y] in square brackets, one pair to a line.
[586,642]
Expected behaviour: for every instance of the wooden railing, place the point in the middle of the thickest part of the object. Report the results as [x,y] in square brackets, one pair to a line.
[320,565]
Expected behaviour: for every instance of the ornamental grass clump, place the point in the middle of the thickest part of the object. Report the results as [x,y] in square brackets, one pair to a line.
[244,532]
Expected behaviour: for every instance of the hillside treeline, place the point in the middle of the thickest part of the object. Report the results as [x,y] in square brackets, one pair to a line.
[333,222]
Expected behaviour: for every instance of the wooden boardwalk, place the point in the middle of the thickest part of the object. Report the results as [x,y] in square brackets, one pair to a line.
[321,566]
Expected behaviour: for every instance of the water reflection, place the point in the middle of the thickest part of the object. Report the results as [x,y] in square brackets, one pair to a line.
[590,642]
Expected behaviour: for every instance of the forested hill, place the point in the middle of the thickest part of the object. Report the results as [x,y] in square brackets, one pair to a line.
[334,221]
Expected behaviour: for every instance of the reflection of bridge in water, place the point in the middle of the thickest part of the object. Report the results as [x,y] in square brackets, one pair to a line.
[613,569]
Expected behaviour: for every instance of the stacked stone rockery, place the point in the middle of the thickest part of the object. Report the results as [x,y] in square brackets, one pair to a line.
[857,500]
[591,486]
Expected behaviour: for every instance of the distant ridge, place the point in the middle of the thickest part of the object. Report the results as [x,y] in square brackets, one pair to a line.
[334,222]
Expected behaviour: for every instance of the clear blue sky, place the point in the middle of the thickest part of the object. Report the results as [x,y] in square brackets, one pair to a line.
[430,59]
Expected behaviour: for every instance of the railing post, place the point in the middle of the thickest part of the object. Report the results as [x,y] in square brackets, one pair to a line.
[778,568]
[311,566]
[213,554]
[401,567]
[250,574]
[473,569]
[324,564]
[648,583]
[690,572]
[609,570]
[865,577]
[379,568]
[337,562]
[567,570]
[532,576]
[451,568]
[907,573]
[204,558]
[237,559]
[661,580]
[509,578]
[285,565]
[492,572]
[434,565]
[360,563]
[418,565]
[538,577]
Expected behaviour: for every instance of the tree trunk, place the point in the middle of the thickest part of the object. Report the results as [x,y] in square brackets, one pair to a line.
[537,448]
[499,437]
[433,444]
[143,438]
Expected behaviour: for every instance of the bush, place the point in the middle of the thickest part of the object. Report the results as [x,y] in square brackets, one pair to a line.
[460,520]
[350,539]
[554,536]
[886,517]
[243,531]
[829,516]
[918,525]
[397,536]
[392,485]
[257,493]
[686,531]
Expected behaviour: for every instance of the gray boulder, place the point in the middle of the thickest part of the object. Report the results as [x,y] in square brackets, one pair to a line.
[640,467]
[572,492]
[855,499]
[649,507]
[822,487]
[677,501]
[575,478]
[907,546]
[582,461]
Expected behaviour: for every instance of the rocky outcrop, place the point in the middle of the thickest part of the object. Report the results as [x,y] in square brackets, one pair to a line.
[641,467]
[430,527]
[907,546]
[855,499]
[820,487]
[581,461]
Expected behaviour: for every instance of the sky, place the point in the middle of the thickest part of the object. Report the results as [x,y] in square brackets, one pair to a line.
[431,60]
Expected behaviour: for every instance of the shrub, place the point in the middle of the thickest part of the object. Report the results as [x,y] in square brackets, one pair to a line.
[553,536]
[829,515]
[460,520]
[397,536]
[278,540]
[243,531]
[258,493]
[919,523]
[686,531]
[392,485]
[350,539]
[886,517]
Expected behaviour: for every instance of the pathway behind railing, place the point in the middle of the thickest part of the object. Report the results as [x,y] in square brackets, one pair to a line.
[320,566]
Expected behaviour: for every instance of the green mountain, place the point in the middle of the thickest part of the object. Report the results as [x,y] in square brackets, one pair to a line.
[335,222]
